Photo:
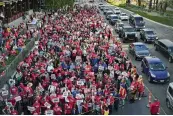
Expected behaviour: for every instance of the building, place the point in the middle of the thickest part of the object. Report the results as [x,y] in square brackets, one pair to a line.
[13,9]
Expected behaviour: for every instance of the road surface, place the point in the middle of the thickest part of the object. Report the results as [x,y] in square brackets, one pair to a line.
[158,90]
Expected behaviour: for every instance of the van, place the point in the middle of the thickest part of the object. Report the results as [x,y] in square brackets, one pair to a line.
[165,46]
[136,21]
[169,96]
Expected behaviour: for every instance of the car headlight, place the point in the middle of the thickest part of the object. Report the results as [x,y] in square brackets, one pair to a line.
[157,38]
[168,74]
[152,75]
[136,35]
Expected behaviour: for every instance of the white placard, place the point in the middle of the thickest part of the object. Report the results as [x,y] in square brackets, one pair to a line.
[109,67]
[80,83]
[55,100]
[4,93]
[18,98]
[49,112]
[31,108]
[101,68]
[53,76]
[83,80]
[9,104]
[65,94]
[47,104]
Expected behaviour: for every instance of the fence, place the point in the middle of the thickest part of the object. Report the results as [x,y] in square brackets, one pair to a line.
[12,67]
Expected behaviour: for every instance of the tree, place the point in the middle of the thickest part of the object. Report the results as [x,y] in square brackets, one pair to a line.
[139,2]
[54,4]
[157,3]
[150,4]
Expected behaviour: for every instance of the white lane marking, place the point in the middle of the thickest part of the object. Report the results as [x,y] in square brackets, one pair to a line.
[154,98]
[125,47]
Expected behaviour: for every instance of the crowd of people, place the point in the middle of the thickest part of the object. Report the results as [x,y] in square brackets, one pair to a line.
[77,67]
[14,39]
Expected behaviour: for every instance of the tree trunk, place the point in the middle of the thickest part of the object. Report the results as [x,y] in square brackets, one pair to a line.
[139,2]
[157,1]
[165,6]
[150,4]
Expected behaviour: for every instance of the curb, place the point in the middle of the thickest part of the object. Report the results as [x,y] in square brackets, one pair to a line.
[146,18]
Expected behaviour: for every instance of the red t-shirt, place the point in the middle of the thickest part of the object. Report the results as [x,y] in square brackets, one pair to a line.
[14,90]
[14,112]
[57,110]
[154,108]
[37,106]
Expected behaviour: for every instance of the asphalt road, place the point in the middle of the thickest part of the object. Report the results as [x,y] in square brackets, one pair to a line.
[158,90]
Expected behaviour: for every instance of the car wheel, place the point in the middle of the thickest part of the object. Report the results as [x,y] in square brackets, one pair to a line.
[156,48]
[149,79]
[168,104]
[124,41]
[145,40]
[136,40]
[136,58]
[170,59]
[142,69]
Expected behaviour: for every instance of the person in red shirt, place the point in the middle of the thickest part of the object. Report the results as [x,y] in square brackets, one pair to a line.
[68,109]
[37,106]
[14,90]
[57,110]
[13,112]
[155,107]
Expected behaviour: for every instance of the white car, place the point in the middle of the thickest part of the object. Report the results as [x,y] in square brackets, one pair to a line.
[123,16]
[117,11]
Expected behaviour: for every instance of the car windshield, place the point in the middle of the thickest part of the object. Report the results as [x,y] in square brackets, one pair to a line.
[117,13]
[129,29]
[149,32]
[123,14]
[114,17]
[139,20]
[157,66]
[120,25]
[140,47]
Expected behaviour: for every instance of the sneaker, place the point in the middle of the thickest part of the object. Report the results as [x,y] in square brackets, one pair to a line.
[139,98]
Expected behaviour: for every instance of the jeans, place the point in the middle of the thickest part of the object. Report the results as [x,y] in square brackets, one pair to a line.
[79,107]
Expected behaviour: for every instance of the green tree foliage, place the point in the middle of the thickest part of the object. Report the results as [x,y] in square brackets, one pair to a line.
[54,4]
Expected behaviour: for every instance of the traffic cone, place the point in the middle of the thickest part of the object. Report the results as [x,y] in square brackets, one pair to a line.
[149,99]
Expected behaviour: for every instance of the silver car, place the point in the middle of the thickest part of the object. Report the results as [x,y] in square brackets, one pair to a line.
[169,96]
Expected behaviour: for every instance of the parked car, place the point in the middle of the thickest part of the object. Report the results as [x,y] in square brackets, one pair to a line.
[165,46]
[118,26]
[109,12]
[101,7]
[123,16]
[139,50]
[148,35]
[105,10]
[136,21]
[169,96]
[155,69]
[113,19]
[128,33]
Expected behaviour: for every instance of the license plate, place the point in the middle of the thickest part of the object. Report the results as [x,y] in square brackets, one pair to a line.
[161,80]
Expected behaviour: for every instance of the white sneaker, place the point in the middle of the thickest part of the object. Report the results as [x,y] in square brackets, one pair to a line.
[139,98]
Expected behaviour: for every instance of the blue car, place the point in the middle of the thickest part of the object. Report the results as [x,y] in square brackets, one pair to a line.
[155,69]
[139,50]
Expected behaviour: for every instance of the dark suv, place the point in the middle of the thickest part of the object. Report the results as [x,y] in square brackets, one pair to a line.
[166,47]
[128,33]
[136,21]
